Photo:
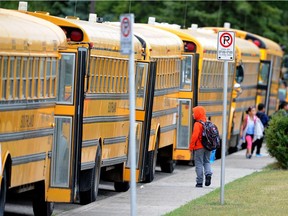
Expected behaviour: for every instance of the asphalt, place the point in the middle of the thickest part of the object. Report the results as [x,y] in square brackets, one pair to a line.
[174,190]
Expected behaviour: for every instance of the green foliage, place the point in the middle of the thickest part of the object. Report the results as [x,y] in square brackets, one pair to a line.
[277,138]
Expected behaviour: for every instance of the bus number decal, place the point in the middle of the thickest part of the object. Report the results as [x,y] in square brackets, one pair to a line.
[111,107]
[27,121]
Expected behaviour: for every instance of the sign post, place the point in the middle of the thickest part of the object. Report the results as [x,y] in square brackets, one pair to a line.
[225,52]
[127,48]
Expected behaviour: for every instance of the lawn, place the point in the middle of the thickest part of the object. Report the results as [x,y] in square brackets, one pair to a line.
[261,193]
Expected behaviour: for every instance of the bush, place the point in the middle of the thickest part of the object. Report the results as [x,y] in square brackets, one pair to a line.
[276,136]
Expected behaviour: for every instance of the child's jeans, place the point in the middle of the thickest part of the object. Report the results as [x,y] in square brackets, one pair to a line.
[202,162]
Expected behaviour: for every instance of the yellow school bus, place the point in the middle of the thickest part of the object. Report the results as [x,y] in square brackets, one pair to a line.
[163,52]
[270,68]
[156,116]
[94,99]
[247,66]
[29,62]
[201,83]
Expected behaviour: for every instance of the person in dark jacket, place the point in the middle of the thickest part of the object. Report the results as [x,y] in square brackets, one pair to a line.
[201,155]
[264,119]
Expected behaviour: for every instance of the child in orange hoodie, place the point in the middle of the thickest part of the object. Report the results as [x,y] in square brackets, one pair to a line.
[201,155]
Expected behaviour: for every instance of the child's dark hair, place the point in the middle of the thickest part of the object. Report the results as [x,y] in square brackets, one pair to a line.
[249,109]
[261,106]
[282,105]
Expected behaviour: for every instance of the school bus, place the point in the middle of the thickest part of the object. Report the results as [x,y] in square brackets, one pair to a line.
[269,71]
[247,59]
[158,114]
[95,102]
[29,63]
[204,76]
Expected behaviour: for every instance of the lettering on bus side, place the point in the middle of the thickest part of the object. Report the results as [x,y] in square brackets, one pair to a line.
[166,102]
[27,121]
[111,107]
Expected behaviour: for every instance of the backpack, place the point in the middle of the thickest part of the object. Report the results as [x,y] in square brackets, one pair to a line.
[210,136]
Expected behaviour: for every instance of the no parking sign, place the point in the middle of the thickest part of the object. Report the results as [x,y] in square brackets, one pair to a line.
[126,22]
[226,45]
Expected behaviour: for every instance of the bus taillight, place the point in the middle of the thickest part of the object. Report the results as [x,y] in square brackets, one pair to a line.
[189,47]
[257,43]
[76,35]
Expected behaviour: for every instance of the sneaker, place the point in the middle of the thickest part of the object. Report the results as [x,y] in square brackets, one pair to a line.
[259,155]
[199,185]
[250,156]
[207,180]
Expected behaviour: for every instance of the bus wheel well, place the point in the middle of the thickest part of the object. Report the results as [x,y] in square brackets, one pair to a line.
[89,179]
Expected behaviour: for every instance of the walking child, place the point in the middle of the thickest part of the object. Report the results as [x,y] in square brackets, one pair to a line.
[201,155]
[252,129]
[264,119]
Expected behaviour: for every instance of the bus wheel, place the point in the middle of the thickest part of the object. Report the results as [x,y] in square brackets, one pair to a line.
[152,159]
[90,195]
[40,206]
[121,186]
[3,192]
[168,166]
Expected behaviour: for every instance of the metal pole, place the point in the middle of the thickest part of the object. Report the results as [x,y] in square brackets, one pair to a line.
[132,140]
[224,124]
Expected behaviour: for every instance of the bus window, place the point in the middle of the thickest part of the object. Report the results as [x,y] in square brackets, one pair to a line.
[66,79]
[239,74]
[61,152]
[264,74]
[183,135]
[140,84]
[4,78]
[186,73]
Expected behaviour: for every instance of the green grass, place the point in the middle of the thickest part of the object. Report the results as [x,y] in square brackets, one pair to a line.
[261,193]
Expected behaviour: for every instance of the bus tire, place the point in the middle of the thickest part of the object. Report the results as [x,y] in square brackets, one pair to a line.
[40,206]
[168,166]
[90,195]
[152,160]
[121,186]
[3,192]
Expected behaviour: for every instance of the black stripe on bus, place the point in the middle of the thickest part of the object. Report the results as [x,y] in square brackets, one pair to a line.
[107,96]
[210,114]
[112,161]
[161,92]
[95,119]
[28,158]
[89,143]
[245,99]
[114,140]
[248,87]
[26,134]
[26,105]
[164,112]
[165,129]
[212,103]
[212,90]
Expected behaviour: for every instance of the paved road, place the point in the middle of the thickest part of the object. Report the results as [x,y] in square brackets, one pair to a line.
[169,192]
[166,193]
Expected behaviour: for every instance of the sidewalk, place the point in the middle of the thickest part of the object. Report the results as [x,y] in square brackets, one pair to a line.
[171,192]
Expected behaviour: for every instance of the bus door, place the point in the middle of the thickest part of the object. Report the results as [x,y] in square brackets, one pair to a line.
[66,151]
[188,95]
[264,83]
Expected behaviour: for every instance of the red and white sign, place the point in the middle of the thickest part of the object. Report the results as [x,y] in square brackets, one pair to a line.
[126,22]
[226,45]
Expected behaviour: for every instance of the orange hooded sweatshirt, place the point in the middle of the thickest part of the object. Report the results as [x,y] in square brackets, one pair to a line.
[196,138]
